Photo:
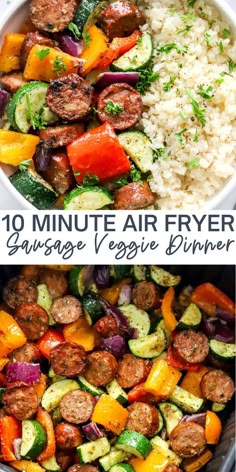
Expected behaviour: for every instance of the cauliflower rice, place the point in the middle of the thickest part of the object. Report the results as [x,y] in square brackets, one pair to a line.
[195,160]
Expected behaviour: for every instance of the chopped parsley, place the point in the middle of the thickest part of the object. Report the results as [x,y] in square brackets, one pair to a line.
[25,164]
[76,173]
[220,46]
[167,48]
[113,108]
[43,53]
[191,3]
[196,136]
[59,66]
[121,182]
[179,136]
[206,92]
[211,22]
[172,10]
[219,81]
[90,179]
[202,13]
[231,65]
[208,39]
[225,33]
[37,121]
[185,30]
[188,16]
[134,59]
[182,115]
[157,153]
[146,78]
[140,41]
[75,30]
[87,39]
[168,85]
[181,66]
[198,112]
[194,163]
[135,174]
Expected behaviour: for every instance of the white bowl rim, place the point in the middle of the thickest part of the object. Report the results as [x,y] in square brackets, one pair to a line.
[212,203]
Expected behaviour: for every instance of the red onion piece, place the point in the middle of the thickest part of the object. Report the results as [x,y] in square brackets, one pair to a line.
[4,97]
[223,333]
[125,295]
[209,326]
[224,315]
[88,275]
[102,276]
[16,448]
[92,432]
[114,311]
[70,45]
[41,158]
[199,418]
[116,345]
[108,78]
[24,372]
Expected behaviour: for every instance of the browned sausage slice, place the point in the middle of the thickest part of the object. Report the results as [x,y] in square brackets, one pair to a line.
[31,40]
[143,418]
[12,82]
[27,353]
[68,359]
[172,468]
[132,371]
[58,136]
[83,468]
[146,295]
[20,402]
[121,105]
[120,19]
[52,16]
[190,346]
[77,406]
[70,97]
[55,280]
[133,196]
[101,368]
[107,326]
[67,436]
[188,439]
[217,386]
[19,290]
[32,319]
[66,309]
[59,173]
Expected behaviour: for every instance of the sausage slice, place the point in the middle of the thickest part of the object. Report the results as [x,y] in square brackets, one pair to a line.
[58,136]
[27,353]
[31,40]
[68,359]
[12,82]
[52,16]
[120,19]
[20,402]
[66,309]
[188,439]
[132,371]
[143,418]
[190,346]
[70,97]
[77,406]
[32,319]
[217,386]
[101,368]
[83,468]
[67,436]
[133,196]
[121,105]
[107,326]
[55,280]
[146,295]
[19,290]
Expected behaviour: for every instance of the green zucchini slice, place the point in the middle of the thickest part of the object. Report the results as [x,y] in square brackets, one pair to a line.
[148,346]
[136,58]
[191,318]
[138,147]
[89,452]
[33,439]
[185,400]
[134,443]
[88,198]
[163,278]
[137,318]
[172,415]
[223,351]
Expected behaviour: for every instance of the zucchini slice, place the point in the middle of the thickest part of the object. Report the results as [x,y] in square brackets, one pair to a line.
[223,351]
[139,273]
[87,387]
[136,58]
[85,10]
[76,280]
[89,452]
[191,318]
[35,189]
[162,325]
[138,147]
[112,458]
[137,318]
[33,439]
[45,301]
[162,277]
[88,198]
[134,443]
[92,307]
[161,446]
[119,272]
[218,407]
[52,375]
[185,400]
[53,395]
[172,415]
[161,421]
[51,464]
[122,468]
[116,391]
[148,346]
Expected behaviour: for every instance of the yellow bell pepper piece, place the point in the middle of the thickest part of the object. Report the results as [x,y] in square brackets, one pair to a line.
[11,336]
[10,52]
[155,462]
[213,428]
[4,361]
[81,333]
[47,64]
[196,463]
[91,55]
[16,147]
[110,414]
[192,381]
[26,466]
[167,311]
[162,379]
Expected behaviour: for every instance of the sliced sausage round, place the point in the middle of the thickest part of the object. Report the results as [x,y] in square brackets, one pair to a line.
[19,290]
[172,468]
[68,359]
[188,439]
[191,346]
[101,368]
[217,386]
[77,406]
[133,196]
[143,418]
[121,105]
[67,436]
[31,39]
[66,309]
[146,295]
[20,402]
[27,353]
[55,280]
[70,97]
[64,459]
[120,19]
[83,468]
[132,371]
[32,319]
[52,16]
[107,326]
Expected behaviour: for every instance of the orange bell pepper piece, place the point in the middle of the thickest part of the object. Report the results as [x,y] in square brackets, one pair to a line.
[110,414]
[16,147]
[26,466]
[167,310]
[51,66]
[196,463]
[162,379]
[40,387]
[91,55]
[10,52]
[208,297]
[112,293]
[11,336]
[10,429]
[213,428]
[192,380]
[155,462]
[45,420]
[81,333]
[117,48]
[3,362]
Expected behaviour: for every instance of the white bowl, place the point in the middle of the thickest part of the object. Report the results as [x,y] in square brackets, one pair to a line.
[15,15]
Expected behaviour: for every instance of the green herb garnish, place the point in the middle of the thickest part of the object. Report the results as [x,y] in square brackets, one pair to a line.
[205,93]
[76,173]
[211,22]
[179,136]
[185,30]
[208,39]
[231,65]
[196,136]
[140,41]
[220,46]
[226,33]
[135,174]
[168,85]
[194,163]
[90,179]
[25,164]
[198,112]
[167,48]
[146,78]
[157,153]
[59,66]
[113,108]
[121,182]
[182,115]
[87,39]
[43,53]
[37,121]
[191,3]
[188,16]
[75,30]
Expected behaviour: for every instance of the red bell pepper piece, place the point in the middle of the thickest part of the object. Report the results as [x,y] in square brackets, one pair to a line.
[49,340]
[139,394]
[208,297]
[3,380]
[45,420]
[98,152]
[10,429]
[174,361]
[117,48]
